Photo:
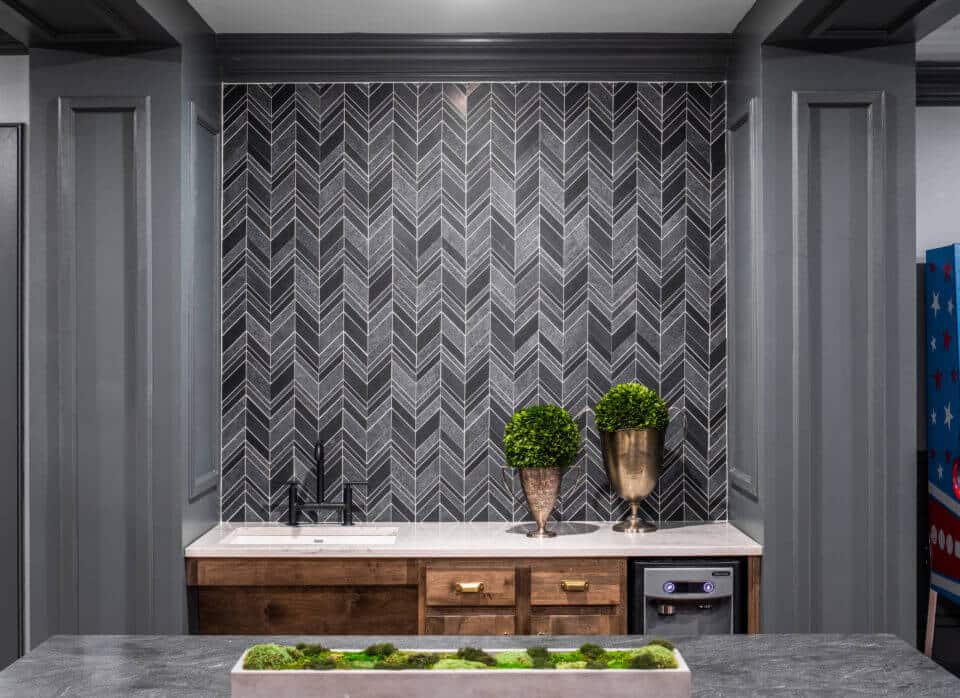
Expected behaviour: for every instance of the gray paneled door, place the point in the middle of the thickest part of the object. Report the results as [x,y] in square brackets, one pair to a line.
[11,461]
[105,373]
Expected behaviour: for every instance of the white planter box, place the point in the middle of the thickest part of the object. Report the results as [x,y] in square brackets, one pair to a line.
[476,683]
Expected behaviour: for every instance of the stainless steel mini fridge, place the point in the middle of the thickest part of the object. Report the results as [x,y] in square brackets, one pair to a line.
[678,596]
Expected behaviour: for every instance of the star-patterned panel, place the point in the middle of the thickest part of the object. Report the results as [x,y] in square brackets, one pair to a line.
[943,427]
[405,264]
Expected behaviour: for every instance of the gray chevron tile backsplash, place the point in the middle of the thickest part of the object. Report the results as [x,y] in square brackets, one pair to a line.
[405,264]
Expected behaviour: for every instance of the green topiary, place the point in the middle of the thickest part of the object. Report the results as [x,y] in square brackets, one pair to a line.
[265,657]
[631,406]
[653,657]
[541,436]
[661,643]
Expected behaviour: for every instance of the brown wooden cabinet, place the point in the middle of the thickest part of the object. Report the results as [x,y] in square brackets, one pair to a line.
[322,596]
[531,596]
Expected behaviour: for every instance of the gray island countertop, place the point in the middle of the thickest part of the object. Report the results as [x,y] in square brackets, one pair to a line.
[740,665]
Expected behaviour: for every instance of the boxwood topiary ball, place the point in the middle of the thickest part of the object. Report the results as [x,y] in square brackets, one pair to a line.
[541,436]
[631,406]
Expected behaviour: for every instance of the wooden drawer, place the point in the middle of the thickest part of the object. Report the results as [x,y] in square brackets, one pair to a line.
[466,586]
[577,583]
[470,625]
[576,624]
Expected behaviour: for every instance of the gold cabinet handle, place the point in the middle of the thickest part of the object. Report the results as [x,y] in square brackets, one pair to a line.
[574,584]
[469,587]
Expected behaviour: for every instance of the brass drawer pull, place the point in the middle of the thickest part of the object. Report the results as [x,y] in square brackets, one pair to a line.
[469,587]
[574,584]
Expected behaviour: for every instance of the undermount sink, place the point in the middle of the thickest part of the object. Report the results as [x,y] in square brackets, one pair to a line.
[312,535]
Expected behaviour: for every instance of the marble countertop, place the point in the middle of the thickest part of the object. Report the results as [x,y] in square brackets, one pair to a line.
[575,539]
[110,666]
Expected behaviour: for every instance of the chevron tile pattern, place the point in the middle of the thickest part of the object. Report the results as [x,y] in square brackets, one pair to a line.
[405,264]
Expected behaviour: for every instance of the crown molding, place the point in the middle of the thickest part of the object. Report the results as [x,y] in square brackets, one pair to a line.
[447,57]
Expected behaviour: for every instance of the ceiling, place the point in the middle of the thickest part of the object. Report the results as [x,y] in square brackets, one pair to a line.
[942,44]
[471,16]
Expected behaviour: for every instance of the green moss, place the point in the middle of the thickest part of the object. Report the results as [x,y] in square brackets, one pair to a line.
[422,660]
[320,663]
[458,664]
[307,648]
[516,659]
[558,657]
[582,664]
[383,649]
[592,652]
[653,657]
[472,654]
[264,657]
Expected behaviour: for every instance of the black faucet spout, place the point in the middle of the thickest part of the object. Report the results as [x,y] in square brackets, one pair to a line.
[295,506]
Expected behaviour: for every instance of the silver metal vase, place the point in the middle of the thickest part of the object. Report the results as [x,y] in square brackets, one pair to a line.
[541,486]
[633,458]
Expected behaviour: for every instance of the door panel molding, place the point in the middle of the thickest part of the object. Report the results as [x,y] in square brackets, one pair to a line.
[805,484]
[68,109]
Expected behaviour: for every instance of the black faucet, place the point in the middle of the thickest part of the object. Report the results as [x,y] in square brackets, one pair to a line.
[295,506]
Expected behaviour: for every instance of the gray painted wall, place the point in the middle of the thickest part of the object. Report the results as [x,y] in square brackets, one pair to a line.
[938,171]
[832,497]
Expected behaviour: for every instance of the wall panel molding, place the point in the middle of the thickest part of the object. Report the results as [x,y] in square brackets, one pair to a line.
[68,172]
[200,125]
[441,57]
[12,197]
[748,123]
[811,492]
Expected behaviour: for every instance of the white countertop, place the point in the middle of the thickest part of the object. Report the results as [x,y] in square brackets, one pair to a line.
[462,540]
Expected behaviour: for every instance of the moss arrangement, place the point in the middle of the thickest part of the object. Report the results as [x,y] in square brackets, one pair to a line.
[541,436]
[657,654]
[631,406]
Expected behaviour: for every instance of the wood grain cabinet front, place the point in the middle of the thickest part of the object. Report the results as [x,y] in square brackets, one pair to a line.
[578,583]
[568,596]
[470,586]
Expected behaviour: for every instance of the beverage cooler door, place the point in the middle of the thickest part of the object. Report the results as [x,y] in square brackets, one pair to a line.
[673,599]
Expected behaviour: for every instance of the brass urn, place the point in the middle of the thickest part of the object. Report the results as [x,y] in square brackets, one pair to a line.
[633,458]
